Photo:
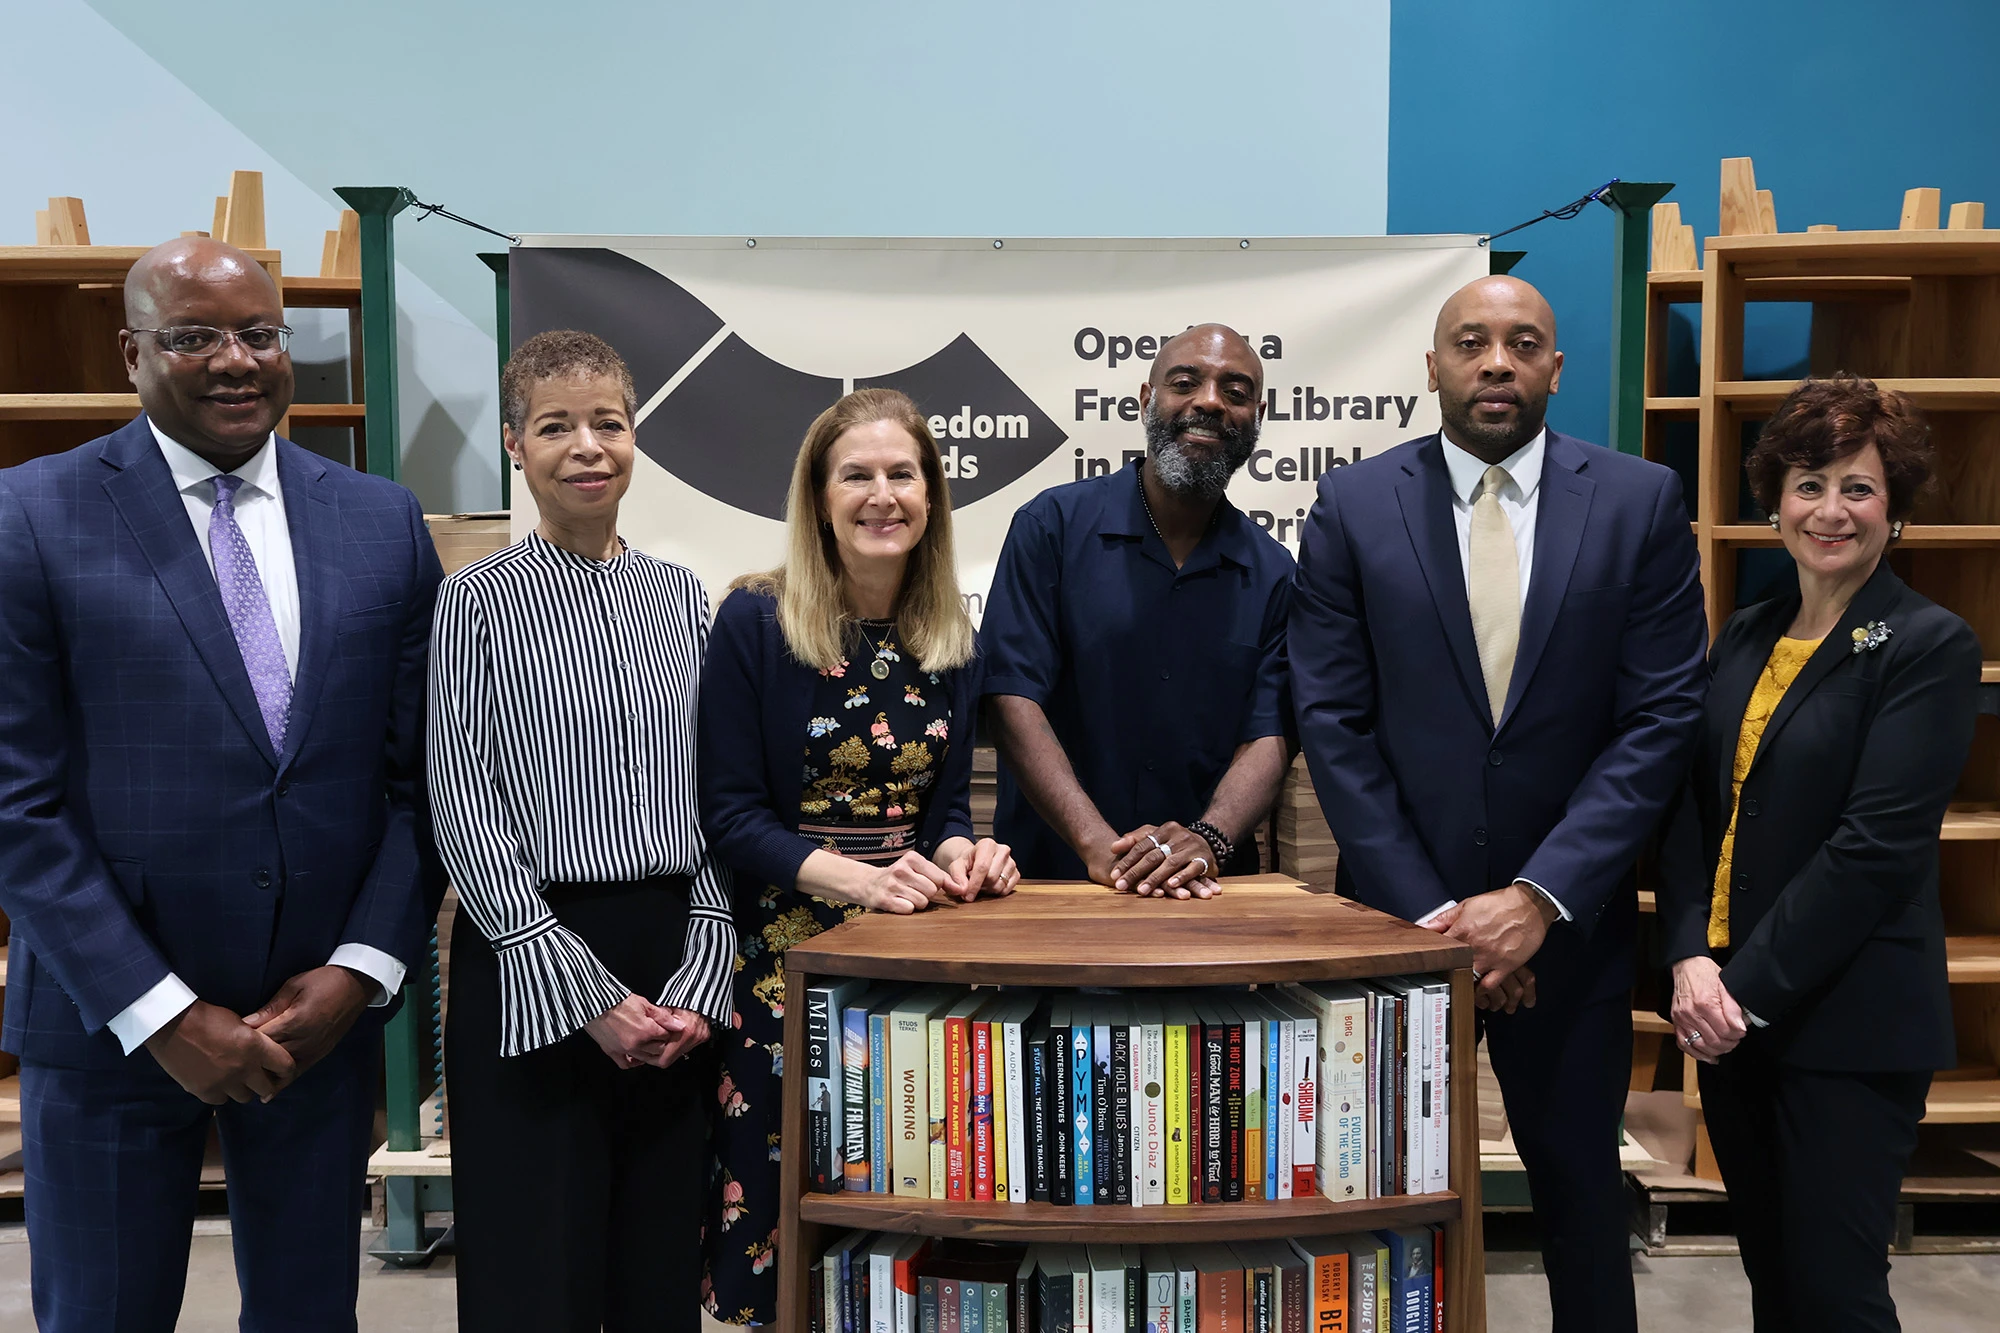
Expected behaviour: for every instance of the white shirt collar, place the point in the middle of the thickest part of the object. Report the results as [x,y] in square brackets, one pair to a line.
[190,469]
[1524,465]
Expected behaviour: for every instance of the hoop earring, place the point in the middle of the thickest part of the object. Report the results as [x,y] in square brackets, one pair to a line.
[1774,522]
[1896,529]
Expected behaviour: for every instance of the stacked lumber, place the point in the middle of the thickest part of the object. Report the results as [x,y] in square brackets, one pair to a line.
[463,538]
[985,790]
[1305,847]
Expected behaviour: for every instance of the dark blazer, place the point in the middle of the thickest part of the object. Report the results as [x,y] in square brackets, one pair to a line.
[756,699]
[145,823]
[1838,937]
[1429,801]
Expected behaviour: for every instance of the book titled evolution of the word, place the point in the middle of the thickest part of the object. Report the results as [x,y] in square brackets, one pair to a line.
[1132,1097]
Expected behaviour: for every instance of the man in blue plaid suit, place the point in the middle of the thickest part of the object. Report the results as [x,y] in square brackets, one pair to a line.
[213,843]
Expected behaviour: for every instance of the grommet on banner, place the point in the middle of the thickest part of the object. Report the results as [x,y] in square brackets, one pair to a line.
[998,244]
[750,241]
[1243,245]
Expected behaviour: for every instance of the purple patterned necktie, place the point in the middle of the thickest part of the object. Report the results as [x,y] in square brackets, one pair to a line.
[249,610]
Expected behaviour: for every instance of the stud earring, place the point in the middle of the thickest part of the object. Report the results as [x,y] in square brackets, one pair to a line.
[1895,529]
[517,467]
[1774,522]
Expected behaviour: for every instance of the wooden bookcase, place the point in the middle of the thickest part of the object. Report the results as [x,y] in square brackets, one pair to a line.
[1264,929]
[1916,310]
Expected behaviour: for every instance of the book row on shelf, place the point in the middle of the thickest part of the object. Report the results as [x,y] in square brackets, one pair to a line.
[1132,1097]
[1377,1282]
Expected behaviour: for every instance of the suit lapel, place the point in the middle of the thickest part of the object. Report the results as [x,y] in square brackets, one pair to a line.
[142,490]
[1425,496]
[1836,650]
[1560,516]
[1734,680]
[314,518]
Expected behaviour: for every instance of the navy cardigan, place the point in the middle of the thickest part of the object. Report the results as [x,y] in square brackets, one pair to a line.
[756,699]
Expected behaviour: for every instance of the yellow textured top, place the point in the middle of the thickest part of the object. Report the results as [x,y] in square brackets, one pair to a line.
[1788,658]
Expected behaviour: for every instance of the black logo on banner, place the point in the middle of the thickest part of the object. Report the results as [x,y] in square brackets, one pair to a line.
[731,425]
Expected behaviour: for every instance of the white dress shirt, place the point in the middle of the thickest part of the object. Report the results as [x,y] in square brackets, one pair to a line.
[260,513]
[1519,499]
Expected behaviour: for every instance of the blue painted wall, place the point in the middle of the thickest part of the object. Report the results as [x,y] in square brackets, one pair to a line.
[1498,113]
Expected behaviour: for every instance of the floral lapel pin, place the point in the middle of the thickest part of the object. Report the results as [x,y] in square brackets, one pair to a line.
[1870,637]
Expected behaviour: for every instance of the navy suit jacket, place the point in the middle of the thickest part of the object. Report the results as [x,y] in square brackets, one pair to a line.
[1427,798]
[146,825]
[756,700]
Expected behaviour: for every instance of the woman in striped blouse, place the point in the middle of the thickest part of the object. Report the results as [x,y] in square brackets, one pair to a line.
[836,752]
[562,769]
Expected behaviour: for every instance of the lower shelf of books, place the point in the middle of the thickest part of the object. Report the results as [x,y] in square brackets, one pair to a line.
[1254,1219]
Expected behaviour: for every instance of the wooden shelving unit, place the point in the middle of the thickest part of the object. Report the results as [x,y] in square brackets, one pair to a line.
[1069,935]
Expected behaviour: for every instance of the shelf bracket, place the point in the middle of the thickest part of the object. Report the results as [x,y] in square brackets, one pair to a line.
[503,324]
[1631,205]
[378,206]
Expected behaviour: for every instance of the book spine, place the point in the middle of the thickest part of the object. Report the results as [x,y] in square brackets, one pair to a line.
[1022,1295]
[1253,1110]
[1295,1298]
[1273,1101]
[1437,1278]
[1173,1049]
[909,1128]
[1439,1156]
[816,1298]
[903,1295]
[1214,1125]
[1038,1118]
[1153,1118]
[1184,1293]
[879,1143]
[934,1066]
[1260,1302]
[1062,1112]
[819,1093]
[1343,1099]
[1330,1300]
[981,1175]
[1102,1151]
[1413,1092]
[1020,1176]
[1083,1173]
[1197,1085]
[1232,1112]
[1121,1115]
[1000,1163]
[927,1305]
[957,1111]
[1305,1100]
[1287,1102]
[854,1098]
[951,1301]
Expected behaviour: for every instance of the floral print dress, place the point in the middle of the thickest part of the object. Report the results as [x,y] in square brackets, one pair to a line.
[872,751]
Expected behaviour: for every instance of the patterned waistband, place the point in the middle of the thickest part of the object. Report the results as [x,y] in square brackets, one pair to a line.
[873,844]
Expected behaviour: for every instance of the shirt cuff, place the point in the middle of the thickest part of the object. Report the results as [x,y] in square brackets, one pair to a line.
[551,984]
[1561,911]
[138,1021]
[372,963]
[707,971]
[1755,1021]
[1436,912]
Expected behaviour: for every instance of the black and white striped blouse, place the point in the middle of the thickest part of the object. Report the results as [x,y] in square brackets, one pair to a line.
[562,750]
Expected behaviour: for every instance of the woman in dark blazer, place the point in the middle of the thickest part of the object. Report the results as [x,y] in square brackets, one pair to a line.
[1799,880]
[836,761]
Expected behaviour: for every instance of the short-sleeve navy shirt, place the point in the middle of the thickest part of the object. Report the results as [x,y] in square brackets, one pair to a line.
[1151,676]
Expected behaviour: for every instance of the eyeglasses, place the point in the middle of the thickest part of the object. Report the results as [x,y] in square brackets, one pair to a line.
[260,341]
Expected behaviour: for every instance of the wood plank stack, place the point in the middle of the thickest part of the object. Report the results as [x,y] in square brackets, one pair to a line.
[985,790]
[464,538]
[1305,846]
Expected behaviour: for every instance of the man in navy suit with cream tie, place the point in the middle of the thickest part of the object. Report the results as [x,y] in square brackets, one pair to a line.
[1497,647]
[212,842]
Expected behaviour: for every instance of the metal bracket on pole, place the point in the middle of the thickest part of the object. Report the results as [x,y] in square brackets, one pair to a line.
[1631,205]
[1503,261]
[503,323]
[378,206]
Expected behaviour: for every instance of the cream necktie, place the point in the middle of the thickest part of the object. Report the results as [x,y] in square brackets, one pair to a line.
[1493,586]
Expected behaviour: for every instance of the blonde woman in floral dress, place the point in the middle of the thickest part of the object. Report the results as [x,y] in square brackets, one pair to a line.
[836,763]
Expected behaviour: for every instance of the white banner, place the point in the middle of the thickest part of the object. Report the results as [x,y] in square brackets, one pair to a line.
[1027,355]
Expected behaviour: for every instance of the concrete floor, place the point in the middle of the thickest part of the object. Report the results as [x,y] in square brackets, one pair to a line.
[1935,1294]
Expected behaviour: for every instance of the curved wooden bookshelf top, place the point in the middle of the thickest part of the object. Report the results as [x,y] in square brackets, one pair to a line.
[1263,928]
[1105,1224]
[85,263]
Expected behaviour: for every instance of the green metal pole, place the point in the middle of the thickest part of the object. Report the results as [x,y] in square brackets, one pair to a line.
[378,206]
[503,339]
[1631,204]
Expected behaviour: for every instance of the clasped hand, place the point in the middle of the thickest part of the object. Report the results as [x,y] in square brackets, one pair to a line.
[1505,929]
[1708,1023]
[635,1032]
[218,1056]
[913,882]
[1135,863]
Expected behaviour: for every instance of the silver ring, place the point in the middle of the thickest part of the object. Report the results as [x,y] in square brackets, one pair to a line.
[1203,862]
[1164,849]
[1691,1039]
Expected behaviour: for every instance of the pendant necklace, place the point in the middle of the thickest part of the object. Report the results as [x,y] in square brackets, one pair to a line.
[879,668]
